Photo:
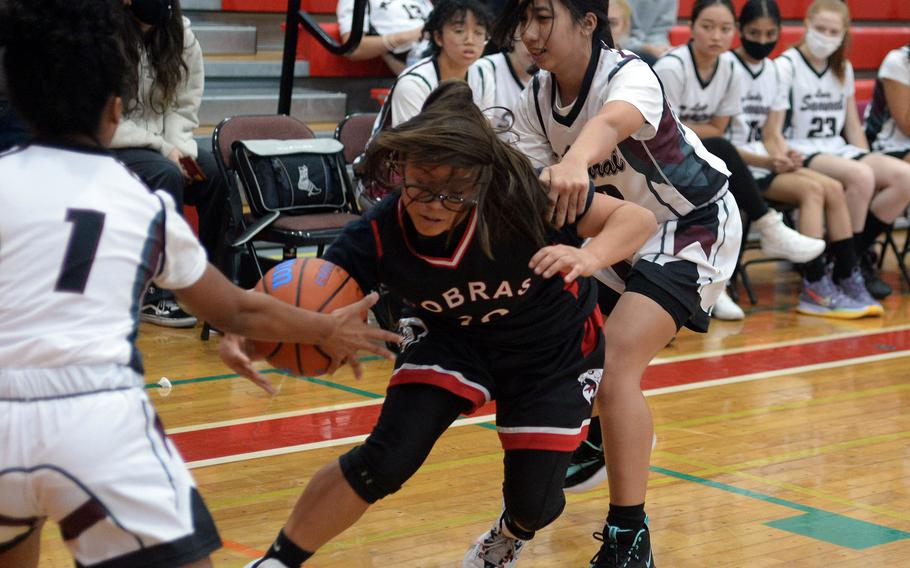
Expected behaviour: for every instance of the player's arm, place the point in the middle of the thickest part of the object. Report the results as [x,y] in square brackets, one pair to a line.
[615,228]
[853,128]
[715,127]
[568,180]
[341,333]
[898,96]
[356,252]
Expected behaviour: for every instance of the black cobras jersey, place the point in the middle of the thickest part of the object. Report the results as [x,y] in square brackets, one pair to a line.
[452,284]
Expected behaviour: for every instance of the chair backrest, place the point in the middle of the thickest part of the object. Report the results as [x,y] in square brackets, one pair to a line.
[255,127]
[354,133]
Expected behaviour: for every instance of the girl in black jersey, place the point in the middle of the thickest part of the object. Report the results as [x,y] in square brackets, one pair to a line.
[465,242]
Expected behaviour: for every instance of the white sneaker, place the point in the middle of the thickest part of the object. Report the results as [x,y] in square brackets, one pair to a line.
[493,549]
[726,309]
[780,241]
[265,563]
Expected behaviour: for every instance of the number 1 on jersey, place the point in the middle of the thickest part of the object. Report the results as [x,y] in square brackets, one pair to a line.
[80,251]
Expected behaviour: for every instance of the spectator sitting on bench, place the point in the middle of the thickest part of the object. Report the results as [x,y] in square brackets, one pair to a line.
[392,30]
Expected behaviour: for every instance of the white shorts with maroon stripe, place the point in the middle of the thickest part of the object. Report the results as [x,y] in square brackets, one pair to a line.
[84,447]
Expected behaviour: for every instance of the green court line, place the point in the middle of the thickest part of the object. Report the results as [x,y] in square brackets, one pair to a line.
[814,523]
[235,375]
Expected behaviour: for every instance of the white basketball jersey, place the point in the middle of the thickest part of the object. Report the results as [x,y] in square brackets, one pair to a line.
[663,167]
[414,85]
[507,86]
[761,93]
[694,99]
[817,101]
[385,16]
[881,129]
[80,238]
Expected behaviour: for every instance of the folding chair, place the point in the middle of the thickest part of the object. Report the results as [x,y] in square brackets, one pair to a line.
[889,243]
[289,231]
[354,132]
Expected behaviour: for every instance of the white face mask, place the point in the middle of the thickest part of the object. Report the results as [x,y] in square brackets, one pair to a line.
[820,45]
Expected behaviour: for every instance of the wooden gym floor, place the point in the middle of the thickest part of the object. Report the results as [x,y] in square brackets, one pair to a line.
[783,440]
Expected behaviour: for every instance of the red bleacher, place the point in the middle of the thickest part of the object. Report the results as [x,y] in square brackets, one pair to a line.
[870,44]
[325,64]
[312,6]
[894,10]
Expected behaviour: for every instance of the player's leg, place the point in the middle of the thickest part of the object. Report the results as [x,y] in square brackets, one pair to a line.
[636,331]
[659,299]
[412,418]
[544,398]
[892,184]
[23,550]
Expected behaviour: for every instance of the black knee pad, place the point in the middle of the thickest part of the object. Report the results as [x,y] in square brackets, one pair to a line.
[370,482]
[530,513]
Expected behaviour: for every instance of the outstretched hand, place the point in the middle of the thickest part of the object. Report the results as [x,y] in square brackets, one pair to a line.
[571,261]
[352,334]
[237,353]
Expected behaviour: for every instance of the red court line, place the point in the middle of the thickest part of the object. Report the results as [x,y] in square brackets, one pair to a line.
[224,441]
[773,359]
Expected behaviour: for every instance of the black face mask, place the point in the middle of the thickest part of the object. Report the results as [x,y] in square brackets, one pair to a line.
[152,12]
[758,50]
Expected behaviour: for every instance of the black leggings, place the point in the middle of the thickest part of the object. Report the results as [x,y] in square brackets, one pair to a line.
[413,417]
[742,184]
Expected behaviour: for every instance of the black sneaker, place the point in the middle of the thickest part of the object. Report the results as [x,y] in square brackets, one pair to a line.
[876,286]
[166,313]
[620,551]
[587,468]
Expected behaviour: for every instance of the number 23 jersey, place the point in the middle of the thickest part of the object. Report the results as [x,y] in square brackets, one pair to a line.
[817,104]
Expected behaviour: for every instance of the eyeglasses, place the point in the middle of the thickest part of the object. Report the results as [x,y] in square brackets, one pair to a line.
[453,203]
[478,35]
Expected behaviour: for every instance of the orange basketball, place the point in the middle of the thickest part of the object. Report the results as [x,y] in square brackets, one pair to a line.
[310,283]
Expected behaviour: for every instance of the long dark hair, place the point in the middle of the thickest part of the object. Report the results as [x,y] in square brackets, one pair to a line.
[452,131]
[64,61]
[450,11]
[510,18]
[163,48]
[755,9]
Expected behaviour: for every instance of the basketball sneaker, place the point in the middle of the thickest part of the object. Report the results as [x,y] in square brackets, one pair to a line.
[874,283]
[622,549]
[855,287]
[266,563]
[587,468]
[726,309]
[780,241]
[493,549]
[159,307]
[824,298]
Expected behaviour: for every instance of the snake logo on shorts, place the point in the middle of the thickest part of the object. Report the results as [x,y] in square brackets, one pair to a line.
[411,330]
[590,381]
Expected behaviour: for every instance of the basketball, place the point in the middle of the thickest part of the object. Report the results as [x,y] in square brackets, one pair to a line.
[313,284]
